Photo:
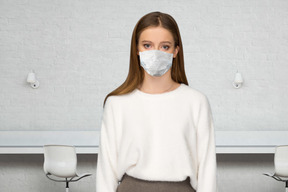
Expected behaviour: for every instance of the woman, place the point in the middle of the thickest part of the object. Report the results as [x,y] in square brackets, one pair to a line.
[157,132]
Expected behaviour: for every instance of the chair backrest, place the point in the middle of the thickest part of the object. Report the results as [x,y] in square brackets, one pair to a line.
[60,160]
[281,160]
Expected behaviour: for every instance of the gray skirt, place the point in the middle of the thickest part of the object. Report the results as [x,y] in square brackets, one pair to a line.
[132,184]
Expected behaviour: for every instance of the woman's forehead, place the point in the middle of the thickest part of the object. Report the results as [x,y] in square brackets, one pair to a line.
[156,34]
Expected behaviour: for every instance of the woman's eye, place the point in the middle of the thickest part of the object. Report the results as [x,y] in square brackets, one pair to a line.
[147,46]
[166,47]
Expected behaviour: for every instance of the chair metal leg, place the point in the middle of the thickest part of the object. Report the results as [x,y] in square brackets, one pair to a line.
[68,180]
[286,187]
[67,185]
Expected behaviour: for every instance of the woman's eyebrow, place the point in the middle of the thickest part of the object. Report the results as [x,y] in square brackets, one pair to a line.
[169,42]
[145,41]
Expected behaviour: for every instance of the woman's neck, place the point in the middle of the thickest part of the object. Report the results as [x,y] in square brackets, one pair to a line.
[155,85]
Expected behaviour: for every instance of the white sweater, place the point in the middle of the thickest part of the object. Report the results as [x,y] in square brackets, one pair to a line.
[160,137]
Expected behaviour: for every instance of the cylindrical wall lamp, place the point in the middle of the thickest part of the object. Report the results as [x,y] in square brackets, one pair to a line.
[31,78]
[238,80]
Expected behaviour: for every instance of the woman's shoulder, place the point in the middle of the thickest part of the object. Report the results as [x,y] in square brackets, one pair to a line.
[190,92]
[195,97]
[118,99]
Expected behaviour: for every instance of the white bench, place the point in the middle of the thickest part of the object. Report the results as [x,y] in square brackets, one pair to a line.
[249,142]
[87,142]
[32,142]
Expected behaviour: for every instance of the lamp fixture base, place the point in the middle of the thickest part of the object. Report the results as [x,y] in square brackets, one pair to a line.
[35,85]
[237,85]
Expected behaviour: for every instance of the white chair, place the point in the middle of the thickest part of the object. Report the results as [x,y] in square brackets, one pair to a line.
[280,165]
[60,161]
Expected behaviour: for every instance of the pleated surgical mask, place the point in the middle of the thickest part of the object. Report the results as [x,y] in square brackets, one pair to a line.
[155,62]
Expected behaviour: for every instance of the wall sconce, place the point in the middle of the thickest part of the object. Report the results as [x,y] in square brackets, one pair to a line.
[31,78]
[238,80]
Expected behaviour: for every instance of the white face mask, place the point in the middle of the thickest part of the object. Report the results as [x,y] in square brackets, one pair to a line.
[155,62]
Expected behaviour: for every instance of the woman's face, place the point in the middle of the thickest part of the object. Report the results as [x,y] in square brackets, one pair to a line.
[157,38]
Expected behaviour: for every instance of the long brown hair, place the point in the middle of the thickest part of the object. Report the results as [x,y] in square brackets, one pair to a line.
[136,74]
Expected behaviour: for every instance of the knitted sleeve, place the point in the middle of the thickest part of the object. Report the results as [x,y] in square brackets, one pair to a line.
[206,150]
[106,177]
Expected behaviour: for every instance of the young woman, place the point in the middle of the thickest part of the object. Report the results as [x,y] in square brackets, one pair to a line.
[157,133]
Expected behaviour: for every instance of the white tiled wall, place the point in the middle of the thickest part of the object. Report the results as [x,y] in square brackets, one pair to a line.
[80,52]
